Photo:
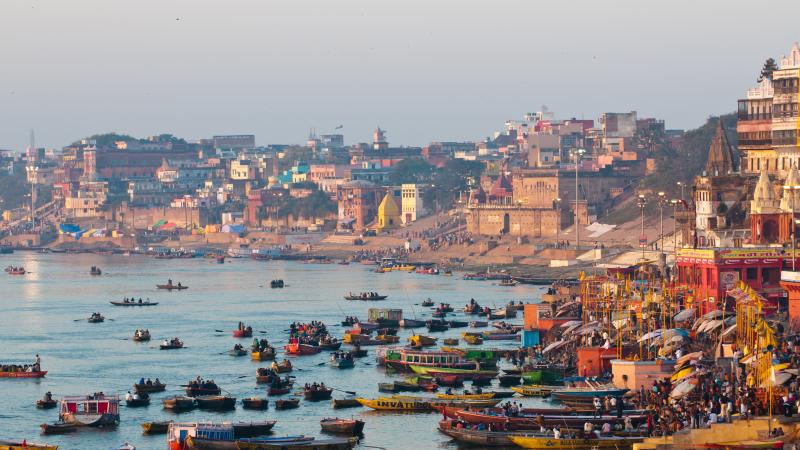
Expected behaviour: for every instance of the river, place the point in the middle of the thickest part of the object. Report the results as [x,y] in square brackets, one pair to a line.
[44,312]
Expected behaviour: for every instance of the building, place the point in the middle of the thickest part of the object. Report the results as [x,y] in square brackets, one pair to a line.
[358,204]
[243,170]
[411,203]
[87,201]
[388,214]
[235,142]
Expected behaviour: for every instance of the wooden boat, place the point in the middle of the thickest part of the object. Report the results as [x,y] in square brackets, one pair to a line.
[46,403]
[475,438]
[58,428]
[457,323]
[330,346]
[750,444]
[412,323]
[252,429]
[141,337]
[419,340]
[272,391]
[534,391]
[358,352]
[350,427]
[451,341]
[542,442]
[147,303]
[502,336]
[155,427]
[344,403]
[257,403]
[263,355]
[317,394]
[465,396]
[96,319]
[202,389]
[343,363]
[507,282]
[18,445]
[179,403]
[316,444]
[172,287]
[36,374]
[301,349]
[586,394]
[427,302]
[172,345]
[216,402]
[287,404]
[365,297]
[437,325]
[534,422]
[149,388]
[237,352]
[395,404]
[509,380]
[18,271]
[243,333]
[472,339]
[96,410]
[467,374]
[143,400]
[276,284]
[478,324]
[284,367]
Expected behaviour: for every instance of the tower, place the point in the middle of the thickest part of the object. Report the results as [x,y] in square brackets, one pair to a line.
[767,219]
[720,154]
[379,139]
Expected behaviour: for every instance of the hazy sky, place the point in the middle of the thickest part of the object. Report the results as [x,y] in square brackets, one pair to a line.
[422,69]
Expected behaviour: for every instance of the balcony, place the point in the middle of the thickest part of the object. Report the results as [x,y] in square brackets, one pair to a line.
[744,115]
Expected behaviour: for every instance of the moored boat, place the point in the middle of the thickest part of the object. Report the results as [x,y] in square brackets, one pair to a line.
[252,429]
[58,428]
[284,367]
[25,445]
[171,344]
[155,427]
[345,403]
[543,442]
[179,403]
[96,410]
[256,403]
[437,325]
[287,403]
[534,391]
[419,340]
[316,444]
[46,403]
[412,323]
[352,427]
[148,388]
[199,387]
[216,402]
[317,393]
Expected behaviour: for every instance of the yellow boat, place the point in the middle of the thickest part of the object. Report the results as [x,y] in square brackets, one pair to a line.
[396,404]
[471,338]
[465,396]
[262,356]
[572,444]
[419,340]
[404,268]
[387,338]
[17,445]
[534,390]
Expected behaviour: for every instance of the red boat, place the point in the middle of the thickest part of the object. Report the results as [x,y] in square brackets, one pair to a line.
[39,374]
[532,422]
[278,391]
[296,349]
[246,333]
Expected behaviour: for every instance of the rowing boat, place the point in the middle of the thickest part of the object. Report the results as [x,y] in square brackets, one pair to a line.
[263,355]
[465,373]
[352,427]
[315,444]
[345,403]
[419,340]
[172,287]
[37,374]
[216,402]
[147,303]
[534,391]
[19,445]
[538,442]
[155,427]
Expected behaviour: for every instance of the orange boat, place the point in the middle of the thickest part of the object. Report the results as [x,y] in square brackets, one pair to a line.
[297,349]
[37,374]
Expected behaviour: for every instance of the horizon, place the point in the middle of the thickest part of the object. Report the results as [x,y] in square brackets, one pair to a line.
[442,72]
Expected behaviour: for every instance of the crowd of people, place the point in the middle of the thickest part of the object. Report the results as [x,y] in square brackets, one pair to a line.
[35,367]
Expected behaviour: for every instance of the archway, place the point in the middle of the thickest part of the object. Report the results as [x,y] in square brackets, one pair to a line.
[769,231]
[506,223]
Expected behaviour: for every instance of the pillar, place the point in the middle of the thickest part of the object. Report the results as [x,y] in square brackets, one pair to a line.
[791,282]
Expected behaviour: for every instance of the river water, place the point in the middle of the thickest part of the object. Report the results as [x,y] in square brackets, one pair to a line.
[44,312]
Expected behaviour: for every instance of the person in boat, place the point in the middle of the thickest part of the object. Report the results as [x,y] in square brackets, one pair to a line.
[157,382]
[128,396]
[169,282]
[149,382]
[165,343]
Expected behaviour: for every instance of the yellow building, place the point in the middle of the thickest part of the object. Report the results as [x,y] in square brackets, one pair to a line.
[388,214]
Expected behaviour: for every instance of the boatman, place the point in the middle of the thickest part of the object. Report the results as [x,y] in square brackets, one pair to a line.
[37,363]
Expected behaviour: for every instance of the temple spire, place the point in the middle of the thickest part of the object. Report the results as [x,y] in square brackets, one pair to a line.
[720,154]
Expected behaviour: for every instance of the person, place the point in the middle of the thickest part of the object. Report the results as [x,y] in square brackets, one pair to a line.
[141,380]
[157,382]
[556,433]
[587,430]
[598,407]
[606,428]
[128,396]
[37,362]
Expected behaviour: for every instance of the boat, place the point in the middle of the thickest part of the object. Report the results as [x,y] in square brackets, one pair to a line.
[586,394]
[202,387]
[132,303]
[284,367]
[395,404]
[508,282]
[58,428]
[141,336]
[96,410]
[467,374]
[341,361]
[402,358]
[472,339]
[287,404]
[171,344]
[46,403]
[244,332]
[252,429]
[272,390]
[344,403]
[143,400]
[457,323]
[149,388]
[179,403]
[428,302]
[534,422]
[237,351]
[358,352]
[96,318]
[366,296]
[466,396]
[437,325]
[419,340]
[478,324]
[412,323]
[542,442]
[25,445]
[330,345]
[15,270]
[509,380]
[155,427]
[451,341]
[297,349]
[335,425]
[194,435]
[216,402]
[475,438]
[534,391]
[317,393]
[172,287]
[276,284]
[24,374]
[475,276]
[501,336]
[749,444]
[315,444]
[263,355]
[257,403]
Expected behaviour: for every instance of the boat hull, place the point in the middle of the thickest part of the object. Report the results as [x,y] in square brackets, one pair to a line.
[39,374]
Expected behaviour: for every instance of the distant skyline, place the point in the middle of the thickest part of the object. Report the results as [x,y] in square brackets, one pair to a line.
[422,70]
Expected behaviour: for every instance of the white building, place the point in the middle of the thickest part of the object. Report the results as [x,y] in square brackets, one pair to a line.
[412,206]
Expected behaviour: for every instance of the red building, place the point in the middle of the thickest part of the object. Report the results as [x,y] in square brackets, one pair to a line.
[358,204]
[710,273]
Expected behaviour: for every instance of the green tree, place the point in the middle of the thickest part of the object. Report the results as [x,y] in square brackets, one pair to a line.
[412,170]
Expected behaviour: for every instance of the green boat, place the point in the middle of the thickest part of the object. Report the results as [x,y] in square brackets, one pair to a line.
[544,375]
[433,371]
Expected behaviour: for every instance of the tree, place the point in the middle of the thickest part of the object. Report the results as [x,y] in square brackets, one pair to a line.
[767,70]
[108,139]
[412,170]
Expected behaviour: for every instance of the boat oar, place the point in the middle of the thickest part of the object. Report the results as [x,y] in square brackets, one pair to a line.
[346,392]
[219,331]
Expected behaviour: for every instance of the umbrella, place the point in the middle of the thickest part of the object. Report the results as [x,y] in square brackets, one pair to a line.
[683,388]
[677,338]
[689,357]
[684,315]
[729,330]
[681,374]
[713,314]
[571,323]
[554,346]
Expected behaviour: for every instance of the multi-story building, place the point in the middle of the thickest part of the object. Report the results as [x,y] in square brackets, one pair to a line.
[235,142]
[87,201]
[412,206]
[358,204]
